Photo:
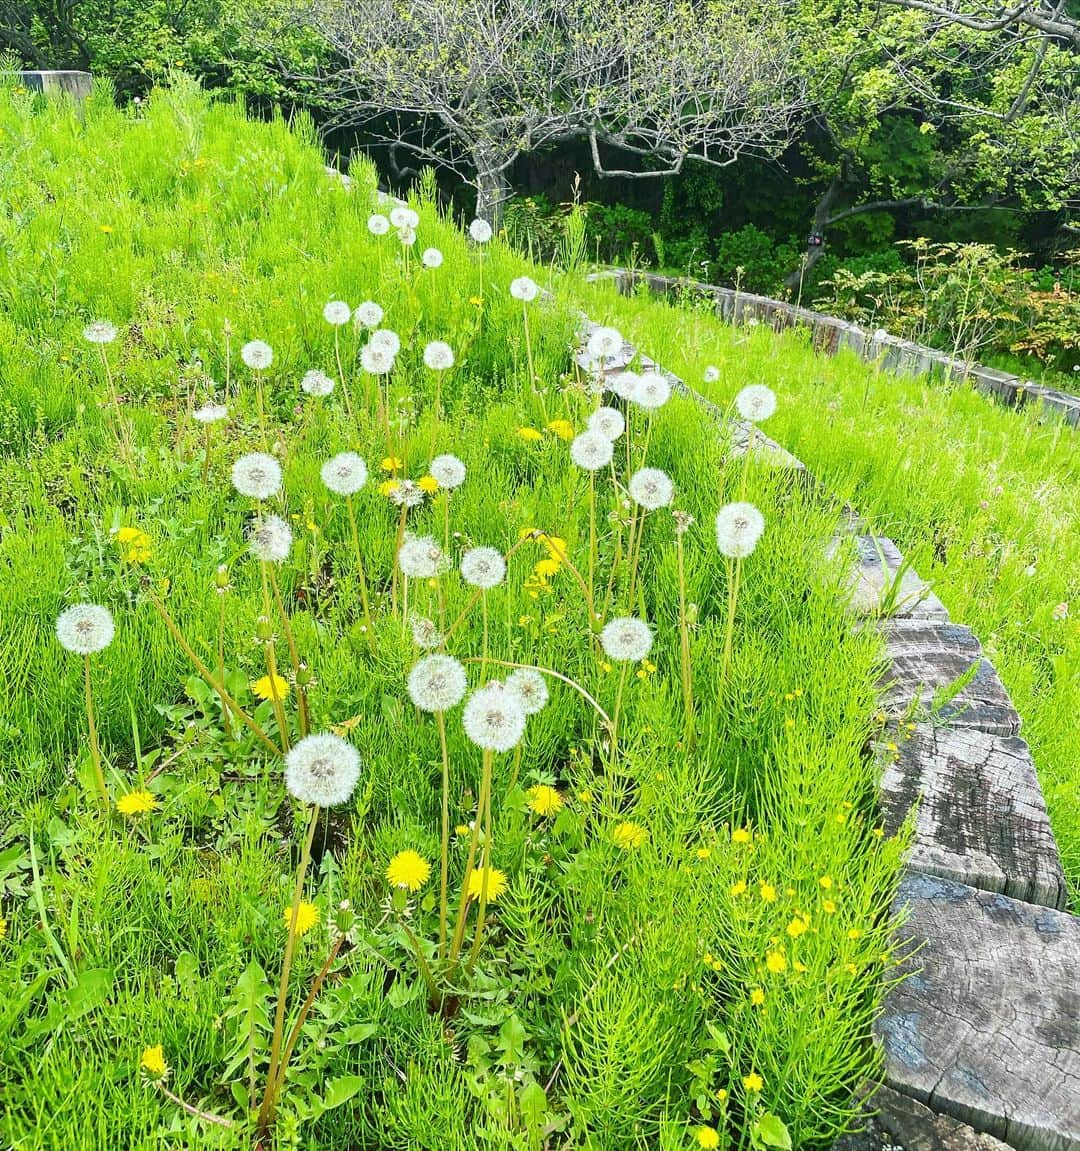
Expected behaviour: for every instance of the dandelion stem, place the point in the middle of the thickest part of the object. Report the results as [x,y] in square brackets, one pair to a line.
[227,723]
[484,643]
[294,655]
[563,558]
[396,566]
[592,536]
[472,601]
[364,600]
[485,870]
[684,645]
[271,667]
[618,709]
[95,749]
[444,874]
[729,630]
[208,1116]
[341,375]
[206,453]
[555,675]
[474,838]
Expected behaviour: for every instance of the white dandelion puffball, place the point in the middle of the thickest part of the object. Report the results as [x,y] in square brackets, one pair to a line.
[420,557]
[653,391]
[431,258]
[271,540]
[376,361]
[738,529]
[712,374]
[483,567]
[317,383]
[368,314]
[651,488]
[407,236]
[210,413]
[378,224]
[337,312]
[480,230]
[257,475]
[448,470]
[403,216]
[756,403]
[604,342]
[624,384]
[530,687]
[408,494]
[85,628]
[322,770]
[425,632]
[344,474]
[257,354]
[494,718]
[439,356]
[437,683]
[608,422]
[99,332]
[591,451]
[626,639]
[524,289]
[386,341]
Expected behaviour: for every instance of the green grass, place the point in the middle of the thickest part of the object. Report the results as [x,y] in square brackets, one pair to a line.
[984,500]
[613,1004]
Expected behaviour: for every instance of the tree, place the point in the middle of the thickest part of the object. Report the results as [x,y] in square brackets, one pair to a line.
[473,84]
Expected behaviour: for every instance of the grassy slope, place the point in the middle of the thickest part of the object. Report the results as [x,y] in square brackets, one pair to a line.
[986,502]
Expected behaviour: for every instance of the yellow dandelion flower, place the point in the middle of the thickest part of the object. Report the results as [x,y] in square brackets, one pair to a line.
[757,996]
[767,892]
[878,832]
[152,1061]
[530,435]
[742,835]
[408,869]
[546,568]
[544,800]
[708,1138]
[629,836]
[704,852]
[136,803]
[739,888]
[496,883]
[801,968]
[585,796]
[428,484]
[564,429]
[306,917]
[388,487]
[3,927]
[776,962]
[828,906]
[392,464]
[476,301]
[263,689]
[854,933]
[135,545]
[556,547]
[106,228]
[826,882]
[753,1082]
[722,1094]
[851,969]
[797,927]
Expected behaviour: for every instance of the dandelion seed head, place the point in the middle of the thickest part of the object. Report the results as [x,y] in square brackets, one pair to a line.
[483,567]
[344,474]
[407,237]
[431,258]
[376,359]
[210,413]
[99,332]
[421,557]
[652,391]
[385,340]
[524,289]
[626,639]
[437,683]
[480,230]
[322,770]
[368,315]
[425,632]
[756,403]
[608,422]
[439,356]
[407,494]
[711,374]
[591,451]
[337,312]
[402,216]
[317,383]
[530,688]
[738,529]
[651,488]
[604,343]
[494,718]
[257,475]
[85,628]
[448,470]
[270,540]
[378,224]
[257,354]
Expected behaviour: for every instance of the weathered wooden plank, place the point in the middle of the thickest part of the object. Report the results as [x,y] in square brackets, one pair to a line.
[874,583]
[987,1025]
[890,1121]
[72,83]
[981,817]
[929,656]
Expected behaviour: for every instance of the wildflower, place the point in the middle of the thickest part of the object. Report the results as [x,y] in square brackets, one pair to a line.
[99,332]
[854,933]
[448,470]
[608,422]
[337,312]
[392,463]
[826,882]
[152,1062]
[492,877]
[530,688]
[270,540]
[564,429]
[776,962]
[604,343]
[425,633]
[738,888]
[407,237]
[494,718]
[753,1082]
[265,689]
[136,544]
[257,354]
[431,258]
[651,488]
[210,413]
[408,870]
[437,683]
[428,484]
[316,383]
[307,916]
[476,301]
[524,289]
[757,997]
[591,451]
[797,927]
[106,228]
[322,770]
[1061,611]
[389,487]
[708,1138]
[545,569]
[544,800]
[629,835]
[439,356]
[738,529]
[136,803]
[344,474]
[531,435]
[851,968]
[378,224]
[767,892]
[257,475]
[828,906]
[711,374]
[420,557]
[585,796]
[626,639]
[3,927]
[652,391]
[403,217]
[405,493]
[483,567]
[756,403]
[85,628]
[742,835]
[624,384]
[376,361]
[368,315]
[480,230]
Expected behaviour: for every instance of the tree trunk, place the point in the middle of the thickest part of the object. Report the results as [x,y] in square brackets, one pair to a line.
[493,189]
[814,252]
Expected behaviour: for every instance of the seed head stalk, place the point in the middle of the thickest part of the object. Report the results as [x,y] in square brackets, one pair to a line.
[271,664]
[95,748]
[294,655]
[684,646]
[341,375]
[734,576]
[463,903]
[444,870]
[364,598]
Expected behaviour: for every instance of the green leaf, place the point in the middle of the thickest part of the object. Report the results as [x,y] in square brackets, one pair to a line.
[341,1090]
[533,1104]
[771,1130]
[359,1032]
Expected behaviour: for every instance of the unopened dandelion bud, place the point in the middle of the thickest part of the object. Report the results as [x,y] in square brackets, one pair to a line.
[264,630]
[221,578]
[305,677]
